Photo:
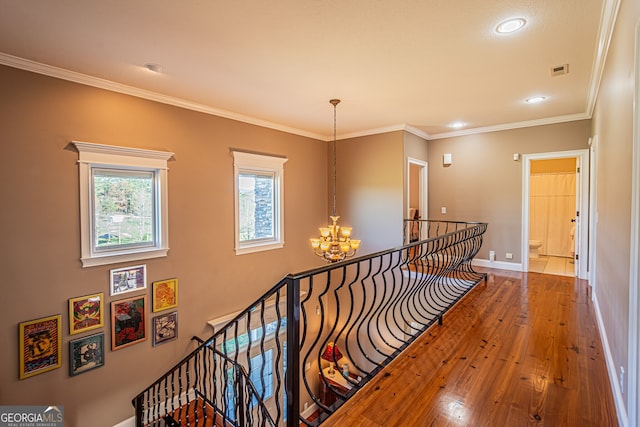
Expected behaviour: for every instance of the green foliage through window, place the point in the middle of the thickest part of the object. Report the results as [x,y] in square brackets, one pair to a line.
[123,207]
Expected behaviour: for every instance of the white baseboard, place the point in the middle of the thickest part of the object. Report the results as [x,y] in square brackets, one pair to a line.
[511,266]
[611,368]
[309,411]
[129,422]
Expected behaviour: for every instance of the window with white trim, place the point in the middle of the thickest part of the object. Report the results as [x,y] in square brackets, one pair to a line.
[123,203]
[259,202]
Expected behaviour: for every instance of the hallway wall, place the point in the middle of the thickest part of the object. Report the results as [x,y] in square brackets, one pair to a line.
[613,126]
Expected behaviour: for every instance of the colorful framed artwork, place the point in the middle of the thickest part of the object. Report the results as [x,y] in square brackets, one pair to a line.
[165,294]
[128,322]
[86,353]
[127,279]
[165,328]
[39,345]
[86,313]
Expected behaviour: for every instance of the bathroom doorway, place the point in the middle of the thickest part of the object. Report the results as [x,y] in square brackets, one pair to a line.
[554,213]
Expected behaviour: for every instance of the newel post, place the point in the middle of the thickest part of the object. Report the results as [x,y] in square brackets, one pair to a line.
[292,376]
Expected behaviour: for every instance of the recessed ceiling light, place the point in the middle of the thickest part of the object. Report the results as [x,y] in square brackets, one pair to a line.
[156,68]
[535,99]
[457,125]
[510,25]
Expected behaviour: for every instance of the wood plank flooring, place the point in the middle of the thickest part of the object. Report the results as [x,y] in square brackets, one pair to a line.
[521,350]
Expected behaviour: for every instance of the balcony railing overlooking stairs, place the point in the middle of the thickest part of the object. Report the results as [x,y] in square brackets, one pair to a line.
[265,366]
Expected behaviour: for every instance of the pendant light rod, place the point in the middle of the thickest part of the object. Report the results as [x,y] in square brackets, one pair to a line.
[334,102]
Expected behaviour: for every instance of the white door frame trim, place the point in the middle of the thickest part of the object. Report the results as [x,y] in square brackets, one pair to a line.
[633,382]
[593,210]
[582,222]
[424,206]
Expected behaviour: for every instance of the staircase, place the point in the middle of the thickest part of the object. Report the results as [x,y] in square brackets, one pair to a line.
[269,365]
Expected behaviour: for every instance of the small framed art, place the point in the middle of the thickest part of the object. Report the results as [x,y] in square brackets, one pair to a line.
[165,328]
[128,321]
[39,345]
[86,313]
[165,294]
[86,353]
[127,279]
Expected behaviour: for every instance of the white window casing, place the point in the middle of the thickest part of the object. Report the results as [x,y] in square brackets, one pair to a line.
[258,163]
[93,156]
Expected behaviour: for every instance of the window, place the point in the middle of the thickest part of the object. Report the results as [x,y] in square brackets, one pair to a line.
[261,376]
[123,198]
[259,217]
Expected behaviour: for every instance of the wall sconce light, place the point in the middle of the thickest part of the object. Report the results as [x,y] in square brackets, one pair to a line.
[446,159]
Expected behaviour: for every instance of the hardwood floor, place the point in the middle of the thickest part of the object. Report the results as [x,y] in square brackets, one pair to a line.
[521,350]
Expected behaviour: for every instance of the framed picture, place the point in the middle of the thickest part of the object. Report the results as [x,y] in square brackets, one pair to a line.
[165,328]
[86,353]
[86,313]
[39,345]
[128,322]
[128,279]
[165,294]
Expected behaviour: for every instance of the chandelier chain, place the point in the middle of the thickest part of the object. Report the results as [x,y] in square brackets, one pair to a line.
[334,102]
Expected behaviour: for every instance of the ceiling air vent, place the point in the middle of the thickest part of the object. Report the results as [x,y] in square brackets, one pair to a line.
[560,70]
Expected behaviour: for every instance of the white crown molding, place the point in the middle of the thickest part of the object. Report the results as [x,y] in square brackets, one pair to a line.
[395,128]
[515,125]
[417,132]
[72,76]
[496,128]
[608,18]
[370,132]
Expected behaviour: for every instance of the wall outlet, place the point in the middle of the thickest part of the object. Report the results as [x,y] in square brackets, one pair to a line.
[508,255]
[492,255]
[443,209]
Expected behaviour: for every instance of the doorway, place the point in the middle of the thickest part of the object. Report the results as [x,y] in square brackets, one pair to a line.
[555,213]
[416,197]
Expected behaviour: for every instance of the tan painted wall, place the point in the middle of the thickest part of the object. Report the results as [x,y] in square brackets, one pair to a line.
[613,126]
[39,116]
[370,189]
[484,183]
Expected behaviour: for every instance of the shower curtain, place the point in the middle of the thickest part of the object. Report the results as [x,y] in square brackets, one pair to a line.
[552,206]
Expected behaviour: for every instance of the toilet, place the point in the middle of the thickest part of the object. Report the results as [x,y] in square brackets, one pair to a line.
[534,245]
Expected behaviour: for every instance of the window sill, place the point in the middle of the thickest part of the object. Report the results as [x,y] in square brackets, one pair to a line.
[104,259]
[259,247]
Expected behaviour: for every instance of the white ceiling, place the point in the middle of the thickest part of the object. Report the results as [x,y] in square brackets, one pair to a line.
[412,64]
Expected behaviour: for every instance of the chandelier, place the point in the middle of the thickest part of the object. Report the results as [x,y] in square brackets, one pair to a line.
[335,243]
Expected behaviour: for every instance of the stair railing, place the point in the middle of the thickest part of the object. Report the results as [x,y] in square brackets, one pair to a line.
[266,368]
